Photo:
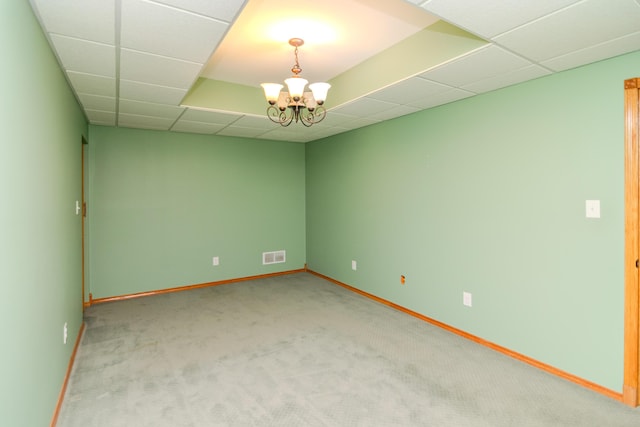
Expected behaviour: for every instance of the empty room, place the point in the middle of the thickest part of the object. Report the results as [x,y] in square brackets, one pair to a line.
[330,213]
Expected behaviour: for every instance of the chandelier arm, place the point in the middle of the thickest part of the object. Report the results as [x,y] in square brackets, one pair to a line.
[279,116]
[311,117]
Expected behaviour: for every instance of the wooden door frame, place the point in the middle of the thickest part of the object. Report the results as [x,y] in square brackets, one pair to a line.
[83,214]
[630,395]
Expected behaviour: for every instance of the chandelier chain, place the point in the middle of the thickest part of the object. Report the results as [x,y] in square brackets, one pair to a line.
[296,68]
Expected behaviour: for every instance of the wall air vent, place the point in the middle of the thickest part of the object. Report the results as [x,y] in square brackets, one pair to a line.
[273,257]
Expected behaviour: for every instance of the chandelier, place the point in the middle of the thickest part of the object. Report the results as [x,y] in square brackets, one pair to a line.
[296,105]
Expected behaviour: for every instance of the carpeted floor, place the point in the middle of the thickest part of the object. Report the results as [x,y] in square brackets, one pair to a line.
[297,350]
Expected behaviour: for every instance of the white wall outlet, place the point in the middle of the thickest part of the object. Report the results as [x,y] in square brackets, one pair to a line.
[64,333]
[592,208]
[466,299]
[354,265]
[216,260]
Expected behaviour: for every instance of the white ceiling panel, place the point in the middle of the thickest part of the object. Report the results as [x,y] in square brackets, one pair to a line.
[209,116]
[105,118]
[255,122]
[441,98]
[489,18]
[561,33]
[150,109]
[196,127]
[97,102]
[92,20]
[408,90]
[166,31]
[138,91]
[503,80]
[364,107]
[143,122]
[392,113]
[336,119]
[594,53]
[241,132]
[85,56]
[157,70]
[476,66]
[223,10]
[289,134]
[90,83]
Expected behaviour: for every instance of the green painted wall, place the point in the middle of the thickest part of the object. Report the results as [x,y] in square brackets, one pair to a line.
[163,204]
[41,127]
[487,195]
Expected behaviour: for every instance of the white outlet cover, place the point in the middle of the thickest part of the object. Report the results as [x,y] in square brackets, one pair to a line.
[216,260]
[592,208]
[354,265]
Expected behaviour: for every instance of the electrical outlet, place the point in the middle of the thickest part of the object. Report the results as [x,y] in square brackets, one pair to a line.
[216,260]
[592,208]
[466,299]
[354,265]
[64,333]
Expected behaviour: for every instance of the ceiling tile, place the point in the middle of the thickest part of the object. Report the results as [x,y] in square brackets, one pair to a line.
[442,98]
[241,132]
[92,84]
[364,107]
[595,53]
[223,10]
[196,127]
[96,102]
[409,90]
[93,20]
[255,122]
[293,135]
[336,119]
[492,17]
[479,65]
[157,70]
[138,91]
[561,33]
[209,116]
[84,56]
[106,118]
[507,79]
[392,113]
[166,31]
[144,122]
[149,109]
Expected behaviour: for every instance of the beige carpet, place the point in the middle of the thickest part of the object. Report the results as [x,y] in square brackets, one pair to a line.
[299,351]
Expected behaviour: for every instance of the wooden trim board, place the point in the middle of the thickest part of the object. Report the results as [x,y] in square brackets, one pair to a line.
[632,253]
[189,287]
[63,390]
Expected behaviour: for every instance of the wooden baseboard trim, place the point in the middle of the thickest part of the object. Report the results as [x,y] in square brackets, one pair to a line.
[63,390]
[190,287]
[518,356]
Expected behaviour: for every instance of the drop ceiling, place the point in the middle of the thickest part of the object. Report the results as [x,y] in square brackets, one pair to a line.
[195,65]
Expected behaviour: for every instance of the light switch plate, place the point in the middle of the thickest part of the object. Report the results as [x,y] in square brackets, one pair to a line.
[466,299]
[593,208]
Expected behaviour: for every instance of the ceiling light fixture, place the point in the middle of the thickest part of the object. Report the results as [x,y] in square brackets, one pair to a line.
[296,104]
